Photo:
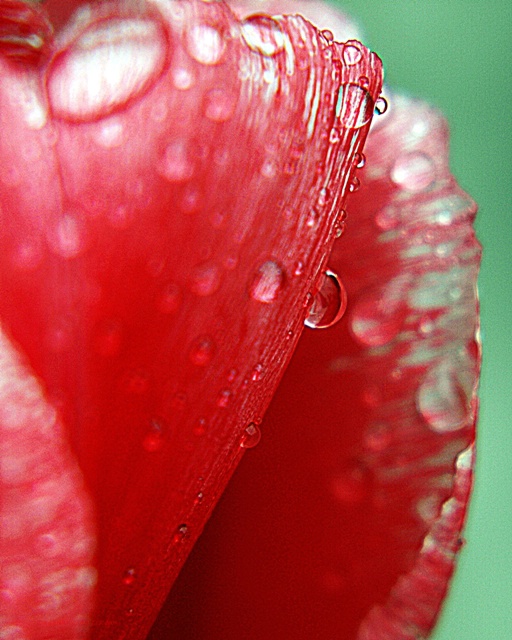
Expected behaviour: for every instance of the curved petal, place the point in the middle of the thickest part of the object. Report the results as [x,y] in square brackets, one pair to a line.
[346,520]
[163,174]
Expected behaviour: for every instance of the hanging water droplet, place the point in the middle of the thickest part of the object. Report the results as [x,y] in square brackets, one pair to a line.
[251,436]
[181,533]
[414,171]
[257,372]
[268,282]
[355,106]
[354,185]
[202,351]
[359,160]
[263,34]
[205,44]
[129,576]
[351,54]
[381,105]
[329,304]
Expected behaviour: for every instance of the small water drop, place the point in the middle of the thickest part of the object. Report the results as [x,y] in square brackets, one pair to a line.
[381,105]
[388,218]
[355,106]
[359,160]
[354,185]
[219,105]
[129,576]
[268,282]
[257,372]
[205,280]
[334,136]
[198,499]
[224,398]
[181,533]
[251,436]
[299,268]
[176,165]
[414,171]
[377,318]
[351,54]
[183,78]
[263,34]
[202,351]
[66,238]
[341,224]
[312,219]
[324,197]
[200,427]
[329,304]
[328,35]
[205,44]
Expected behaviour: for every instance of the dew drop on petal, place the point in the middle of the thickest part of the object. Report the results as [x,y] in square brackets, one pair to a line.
[129,576]
[251,436]
[444,396]
[354,185]
[257,372]
[413,171]
[181,533]
[263,34]
[355,106]
[205,44]
[176,164]
[219,105]
[329,303]
[381,106]
[351,54]
[224,398]
[202,351]
[66,238]
[267,283]
[375,320]
[359,160]
[205,280]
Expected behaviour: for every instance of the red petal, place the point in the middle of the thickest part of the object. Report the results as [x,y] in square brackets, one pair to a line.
[346,521]
[151,234]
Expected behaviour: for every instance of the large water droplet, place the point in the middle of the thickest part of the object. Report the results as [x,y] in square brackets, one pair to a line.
[205,280]
[351,54]
[251,436]
[263,34]
[414,171]
[181,533]
[444,396]
[355,106]
[268,282]
[202,351]
[176,164]
[205,44]
[329,303]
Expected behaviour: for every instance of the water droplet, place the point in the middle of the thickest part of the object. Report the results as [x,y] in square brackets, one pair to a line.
[219,105]
[359,160]
[232,374]
[251,436]
[202,351]
[341,224]
[154,439]
[224,398]
[176,165]
[205,44]
[183,78]
[181,533]
[299,268]
[268,168]
[377,317]
[381,105]
[355,106]
[200,427]
[170,299]
[354,185]
[66,238]
[334,136]
[388,218]
[263,34]
[329,304]
[414,171]
[312,219]
[444,396]
[110,134]
[268,282]
[324,196]
[328,35]
[205,280]
[351,54]
[198,499]
[257,372]
[129,576]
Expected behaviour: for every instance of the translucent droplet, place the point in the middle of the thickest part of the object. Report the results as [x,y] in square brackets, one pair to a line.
[181,533]
[351,54]
[388,218]
[329,303]
[377,318]
[224,398]
[354,185]
[198,499]
[154,439]
[323,197]
[169,300]
[381,105]
[299,268]
[219,105]
[444,396]
[202,351]
[414,171]
[205,44]
[359,160]
[66,238]
[251,436]
[355,106]
[176,165]
[205,280]
[183,78]
[129,576]
[268,282]
[263,34]
[341,224]
[257,372]
[334,136]
[328,35]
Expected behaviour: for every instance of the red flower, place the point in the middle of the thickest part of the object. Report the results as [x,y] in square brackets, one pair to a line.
[172,197]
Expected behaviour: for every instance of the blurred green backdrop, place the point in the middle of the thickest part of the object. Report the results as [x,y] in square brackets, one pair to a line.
[457,54]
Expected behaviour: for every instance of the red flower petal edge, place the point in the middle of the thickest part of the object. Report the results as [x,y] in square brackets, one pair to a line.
[165,170]
[346,521]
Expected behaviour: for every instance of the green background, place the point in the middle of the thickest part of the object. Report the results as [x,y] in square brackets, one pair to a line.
[457,54]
